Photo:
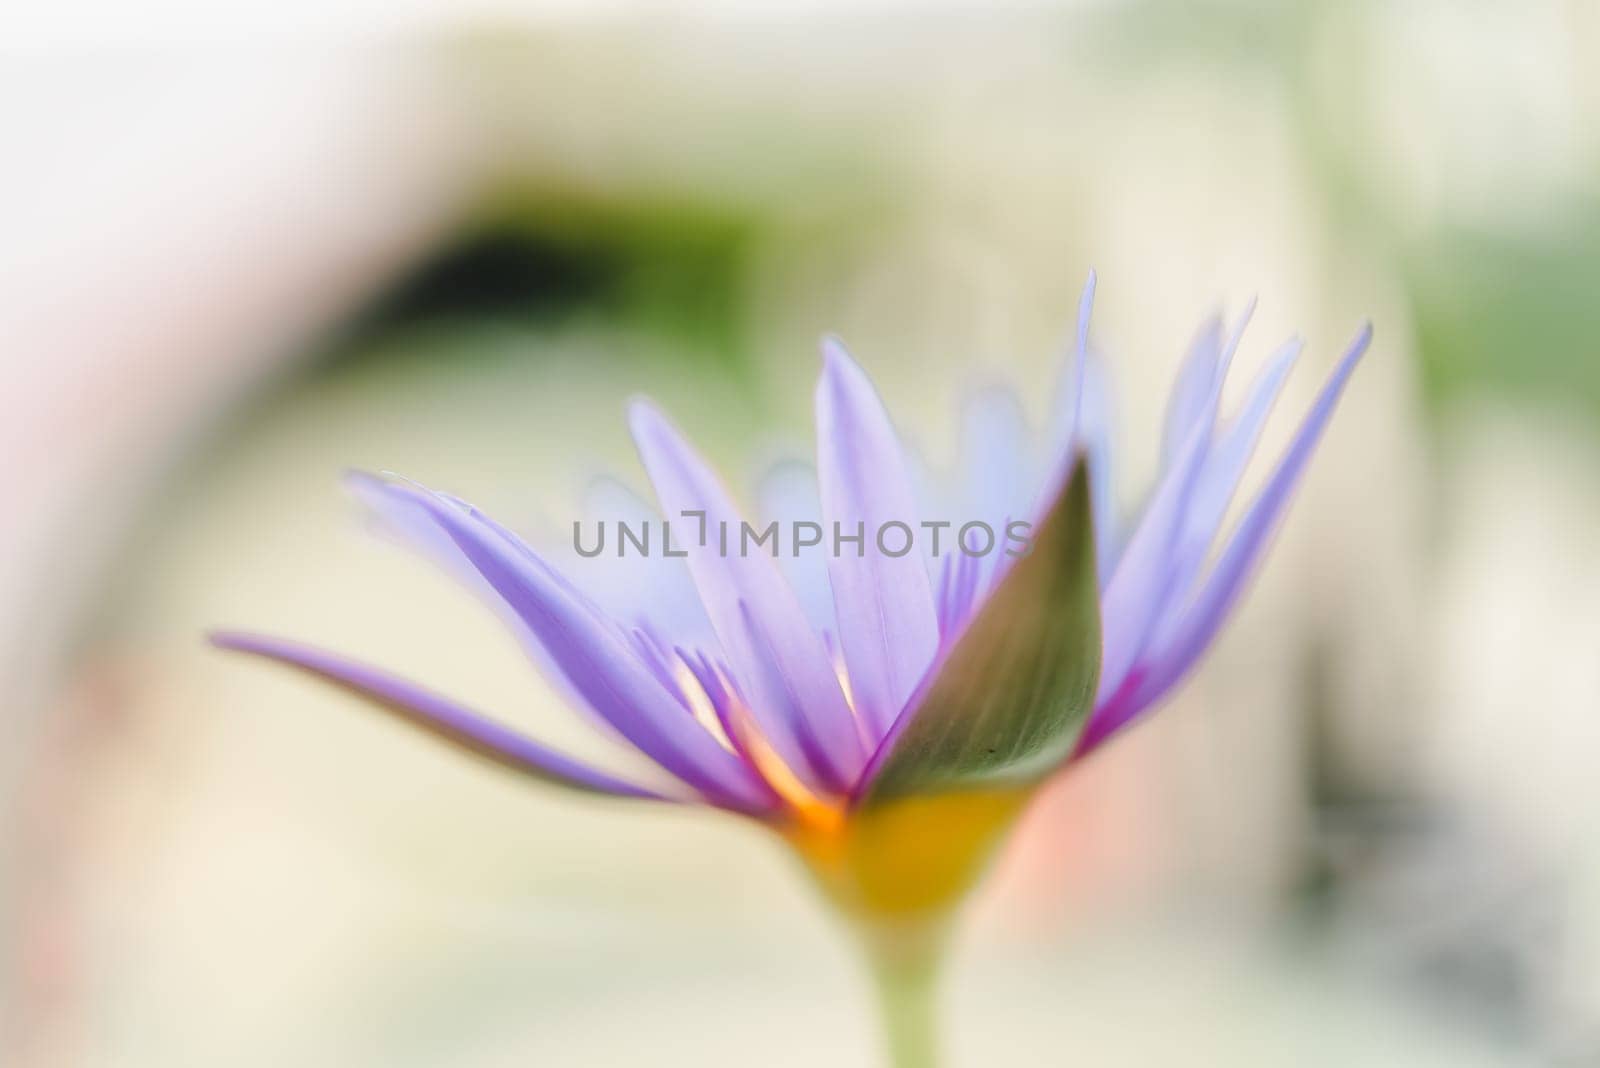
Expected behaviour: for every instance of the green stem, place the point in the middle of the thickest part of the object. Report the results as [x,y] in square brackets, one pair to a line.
[906,971]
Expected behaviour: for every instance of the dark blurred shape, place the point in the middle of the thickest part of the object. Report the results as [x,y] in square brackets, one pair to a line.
[547,261]
[1440,909]
[500,273]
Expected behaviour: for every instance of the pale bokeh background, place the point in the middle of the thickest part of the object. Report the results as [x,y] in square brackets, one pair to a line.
[237,263]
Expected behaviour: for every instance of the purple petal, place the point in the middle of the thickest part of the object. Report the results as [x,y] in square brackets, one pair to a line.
[713,680]
[962,588]
[1225,464]
[1082,422]
[946,597]
[1080,350]
[802,684]
[997,459]
[770,678]
[403,520]
[1067,411]
[1095,425]
[1205,615]
[1197,380]
[438,715]
[598,660]
[401,517]
[629,585]
[884,604]
[1142,583]
[788,493]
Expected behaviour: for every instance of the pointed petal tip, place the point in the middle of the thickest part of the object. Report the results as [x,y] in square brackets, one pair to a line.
[390,480]
[986,390]
[843,383]
[640,406]
[222,639]
[243,641]
[837,363]
[1363,337]
[1085,311]
[646,420]
[1285,356]
[1212,605]
[360,482]
[252,643]
[1352,357]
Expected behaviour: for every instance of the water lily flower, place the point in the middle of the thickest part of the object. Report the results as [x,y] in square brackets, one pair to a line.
[894,739]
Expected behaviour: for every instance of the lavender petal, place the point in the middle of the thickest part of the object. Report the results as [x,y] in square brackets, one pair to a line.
[1204,616]
[803,682]
[1142,583]
[1197,380]
[598,659]
[439,716]
[888,625]
[1224,467]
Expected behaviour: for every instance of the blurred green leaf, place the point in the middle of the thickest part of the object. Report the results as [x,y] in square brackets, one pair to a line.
[1511,312]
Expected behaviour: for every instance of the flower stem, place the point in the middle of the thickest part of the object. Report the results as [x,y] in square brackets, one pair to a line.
[906,972]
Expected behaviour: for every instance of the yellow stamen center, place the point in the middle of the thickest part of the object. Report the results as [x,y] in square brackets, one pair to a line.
[811,810]
[808,808]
